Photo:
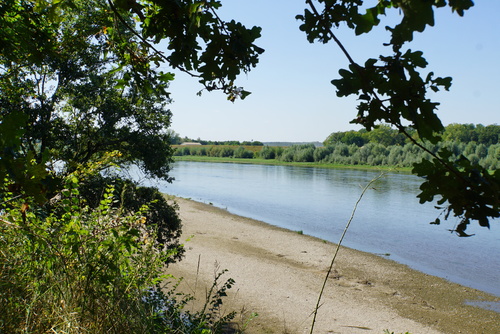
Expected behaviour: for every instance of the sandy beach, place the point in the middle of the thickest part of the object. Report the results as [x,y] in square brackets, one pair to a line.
[279,274]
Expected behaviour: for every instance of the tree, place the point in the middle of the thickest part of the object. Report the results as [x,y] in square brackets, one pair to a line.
[386,136]
[80,85]
[392,90]
[89,82]
[80,91]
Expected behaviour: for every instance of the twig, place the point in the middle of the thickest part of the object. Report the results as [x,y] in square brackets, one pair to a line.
[338,248]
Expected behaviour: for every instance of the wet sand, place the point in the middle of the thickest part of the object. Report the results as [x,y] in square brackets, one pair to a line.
[279,274]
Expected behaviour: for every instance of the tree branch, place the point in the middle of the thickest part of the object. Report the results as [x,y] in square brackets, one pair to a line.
[368,89]
[149,45]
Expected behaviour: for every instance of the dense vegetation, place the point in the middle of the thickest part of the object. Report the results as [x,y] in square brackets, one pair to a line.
[380,147]
[84,249]
[385,135]
[77,269]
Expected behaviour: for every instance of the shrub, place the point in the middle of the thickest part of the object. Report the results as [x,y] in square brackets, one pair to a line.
[287,156]
[320,153]
[77,270]
[201,151]
[243,153]
[161,215]
[304,155]
[226,152]
[268,152]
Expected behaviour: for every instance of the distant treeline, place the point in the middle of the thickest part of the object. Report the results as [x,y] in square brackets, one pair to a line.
[393,155]
[175,139]
[343,154]
[380,147]
[219,151]
[385,135]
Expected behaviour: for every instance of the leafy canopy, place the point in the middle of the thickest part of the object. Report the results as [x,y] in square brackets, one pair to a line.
[81,78]
[392,89]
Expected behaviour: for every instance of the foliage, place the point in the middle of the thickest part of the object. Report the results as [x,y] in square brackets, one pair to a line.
[270,152]
[91,82]
[385,135]
[487,135]
[78,100]
[81,253]
[370,154]
[91,271]
[161,215]
[199,41]
[241,152]
[77,80]
[393,89]
[220,151]
[298,153]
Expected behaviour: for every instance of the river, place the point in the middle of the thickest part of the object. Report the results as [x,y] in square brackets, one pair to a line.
[389,220]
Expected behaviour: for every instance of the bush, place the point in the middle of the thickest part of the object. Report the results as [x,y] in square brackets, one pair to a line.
[200,151]
[287,156]
[304,155]
[78,270]
[243,153]
[226,152]
[161,215]
[320,153]
[268,152]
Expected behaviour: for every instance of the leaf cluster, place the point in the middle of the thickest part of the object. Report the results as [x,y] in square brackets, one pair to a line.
[474,194]
[161,215]
[393,89]
[199,41]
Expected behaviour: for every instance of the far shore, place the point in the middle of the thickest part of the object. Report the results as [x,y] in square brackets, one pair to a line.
[279,274]
[274,162]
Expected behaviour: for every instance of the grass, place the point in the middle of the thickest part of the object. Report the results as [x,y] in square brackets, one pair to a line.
[274,162]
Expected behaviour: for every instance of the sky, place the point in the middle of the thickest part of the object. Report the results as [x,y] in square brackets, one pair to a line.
[292,98]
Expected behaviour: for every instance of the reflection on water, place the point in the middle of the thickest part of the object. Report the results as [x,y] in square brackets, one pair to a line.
[389,219]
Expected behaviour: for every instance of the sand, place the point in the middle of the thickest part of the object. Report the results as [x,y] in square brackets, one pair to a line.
[279,274]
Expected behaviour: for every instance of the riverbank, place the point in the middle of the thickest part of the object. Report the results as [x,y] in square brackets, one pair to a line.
[274,162]
[279,274]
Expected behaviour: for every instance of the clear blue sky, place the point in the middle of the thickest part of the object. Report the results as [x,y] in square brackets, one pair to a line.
[292,98]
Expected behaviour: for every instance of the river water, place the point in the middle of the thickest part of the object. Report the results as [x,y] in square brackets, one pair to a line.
[389,220]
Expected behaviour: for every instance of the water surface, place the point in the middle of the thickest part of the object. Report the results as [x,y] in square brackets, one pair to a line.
[389,219]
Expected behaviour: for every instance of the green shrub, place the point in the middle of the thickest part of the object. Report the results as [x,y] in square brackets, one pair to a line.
[226,152]
[268,152]
[161,215]
[75,269]
[304,155]
[243,153]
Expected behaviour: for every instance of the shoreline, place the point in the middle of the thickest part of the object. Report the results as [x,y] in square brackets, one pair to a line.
[279,273]
[274,162]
